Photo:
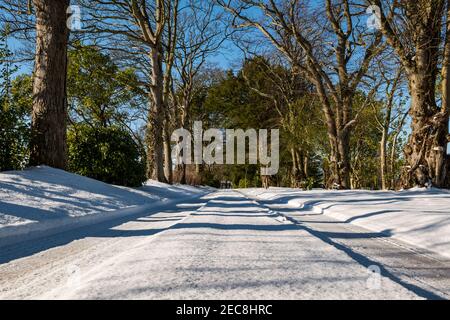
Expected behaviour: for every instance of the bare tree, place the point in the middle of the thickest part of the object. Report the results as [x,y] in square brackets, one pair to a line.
[141,33]
[392,84]
[201,33]
[48,128]
[44,23]
[415,30]
[21,20]
[334,54]
[170,43]
[293,102]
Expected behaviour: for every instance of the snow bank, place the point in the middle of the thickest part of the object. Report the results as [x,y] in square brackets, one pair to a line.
[419,217]
[43,200]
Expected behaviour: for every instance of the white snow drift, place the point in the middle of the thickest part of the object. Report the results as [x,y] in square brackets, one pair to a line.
[44,200]
[419,217]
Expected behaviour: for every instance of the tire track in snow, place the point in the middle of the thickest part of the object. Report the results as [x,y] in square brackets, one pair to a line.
[402,275]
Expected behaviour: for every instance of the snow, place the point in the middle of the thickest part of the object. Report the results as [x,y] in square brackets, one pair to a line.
[419,217]
[225,247]
[44,200]
[63,236]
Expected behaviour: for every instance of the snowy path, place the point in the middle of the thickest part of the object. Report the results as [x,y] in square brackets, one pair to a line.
[223,246]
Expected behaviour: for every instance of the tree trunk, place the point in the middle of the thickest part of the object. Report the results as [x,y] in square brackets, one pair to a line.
[156,146]
[168,168]
[426,150]
[445,74]
[340,162]
[393,156]
[306,166]
[344,160]
[156,117]
[48,145]
[383,159]
[296,172]
[182,173]
[184,124]
[339,140]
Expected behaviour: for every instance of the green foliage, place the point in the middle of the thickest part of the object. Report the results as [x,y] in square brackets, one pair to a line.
[246,100]
[15,106]
[106,154]
[100,93]
[244,183]
[231,103]
[211,177]
[102,100]
[309,183]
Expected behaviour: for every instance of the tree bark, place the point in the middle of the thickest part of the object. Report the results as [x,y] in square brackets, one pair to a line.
[306,166]
[384,140]
[339,140]
[295,179]
[392,159]
[426,149]
[185,120]
[156,116]
[48,144]
[383,159]
[419,50]
[168,165]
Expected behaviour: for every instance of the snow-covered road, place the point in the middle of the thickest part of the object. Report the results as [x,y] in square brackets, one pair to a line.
[221,246]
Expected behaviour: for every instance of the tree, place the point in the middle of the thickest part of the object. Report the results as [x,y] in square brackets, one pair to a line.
[414,30]
[296,110]
[48,127]
[201,34]
[142,33]
[262,95]
[390,120]
[365,146]
[107,154]
[101,94]
[334,55]
[15,106]
[102,99]
[231,104]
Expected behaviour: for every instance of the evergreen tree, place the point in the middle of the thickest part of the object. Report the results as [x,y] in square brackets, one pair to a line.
[102,100]
[99,92]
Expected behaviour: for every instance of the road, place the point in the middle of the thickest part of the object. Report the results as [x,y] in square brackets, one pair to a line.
[221,246]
